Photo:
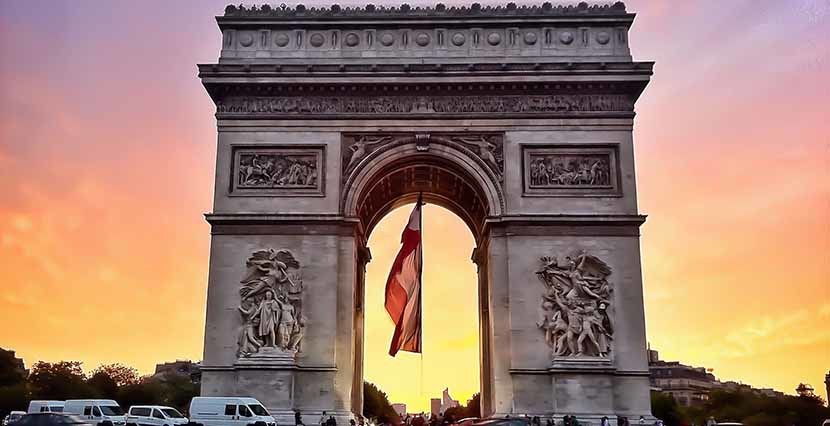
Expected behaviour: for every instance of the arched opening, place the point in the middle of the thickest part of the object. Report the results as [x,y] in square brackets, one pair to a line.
[450,355]
[456,184]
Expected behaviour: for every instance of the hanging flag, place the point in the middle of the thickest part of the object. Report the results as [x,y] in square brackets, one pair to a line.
[403,288]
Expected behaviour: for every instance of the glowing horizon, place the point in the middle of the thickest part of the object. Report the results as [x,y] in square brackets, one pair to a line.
[107,152]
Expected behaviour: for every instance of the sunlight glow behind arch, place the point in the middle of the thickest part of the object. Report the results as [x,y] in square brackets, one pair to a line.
[450,313]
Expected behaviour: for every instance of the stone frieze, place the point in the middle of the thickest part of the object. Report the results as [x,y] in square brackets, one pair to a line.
[392,105]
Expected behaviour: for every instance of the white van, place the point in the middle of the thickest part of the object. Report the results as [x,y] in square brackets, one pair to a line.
[229,411]
[98,411]
[45,407]
[155,415]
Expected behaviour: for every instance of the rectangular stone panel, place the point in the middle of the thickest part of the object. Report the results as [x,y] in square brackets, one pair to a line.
[278,170]
[571,170]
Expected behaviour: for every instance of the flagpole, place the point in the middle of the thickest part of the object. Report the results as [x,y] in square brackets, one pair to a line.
[421,275]
[421,292]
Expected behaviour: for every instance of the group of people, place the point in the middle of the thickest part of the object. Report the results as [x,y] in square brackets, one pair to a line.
[573,421]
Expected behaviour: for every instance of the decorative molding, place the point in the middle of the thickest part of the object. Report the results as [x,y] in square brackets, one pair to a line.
[271,305]
[429,105]
[486,147]
[440,10]
[570,170]
[272,170]
[576,302]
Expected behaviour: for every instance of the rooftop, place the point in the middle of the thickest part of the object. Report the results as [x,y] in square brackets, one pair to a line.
[439,10]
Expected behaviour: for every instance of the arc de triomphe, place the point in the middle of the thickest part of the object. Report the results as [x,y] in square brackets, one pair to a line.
[518,119]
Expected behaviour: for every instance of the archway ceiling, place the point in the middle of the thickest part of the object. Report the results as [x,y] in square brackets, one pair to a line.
[440,183]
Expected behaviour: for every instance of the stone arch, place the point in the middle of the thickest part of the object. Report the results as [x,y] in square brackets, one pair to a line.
[446,172]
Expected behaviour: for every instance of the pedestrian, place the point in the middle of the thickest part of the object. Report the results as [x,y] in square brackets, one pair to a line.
[331,421]
[323,419]
[298,418]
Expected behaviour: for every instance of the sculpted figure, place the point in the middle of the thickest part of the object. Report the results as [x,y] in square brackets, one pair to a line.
[287,323]
[359,148]
[575,305]
[485,149]
[271,303]
[268,311]
[248,339]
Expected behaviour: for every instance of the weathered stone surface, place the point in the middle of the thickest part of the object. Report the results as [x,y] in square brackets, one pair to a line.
[522,126]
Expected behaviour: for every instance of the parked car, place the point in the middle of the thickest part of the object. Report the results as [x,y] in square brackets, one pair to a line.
[154,415]
[13,417]
[37,406]
[104,412]
[468,421]
[508,421]
[228,411]
[52,419]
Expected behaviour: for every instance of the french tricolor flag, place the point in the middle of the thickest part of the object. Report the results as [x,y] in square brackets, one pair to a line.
[403,287]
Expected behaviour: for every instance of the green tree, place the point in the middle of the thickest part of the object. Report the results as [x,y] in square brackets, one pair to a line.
[103,385]
[11,372]
[61,380]
[665,408]
[147,392]
[13,393]
[121,374]
[472,409]
[376,405]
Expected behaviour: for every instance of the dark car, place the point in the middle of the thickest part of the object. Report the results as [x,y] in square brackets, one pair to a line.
[50,419]
[467,421]
[508,421]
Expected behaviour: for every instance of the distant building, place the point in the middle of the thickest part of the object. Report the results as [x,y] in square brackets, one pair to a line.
[691,385]
[18,362]
[179,368]
[688,385]
[435,406]
[827,387]
[447,402]
[400,408]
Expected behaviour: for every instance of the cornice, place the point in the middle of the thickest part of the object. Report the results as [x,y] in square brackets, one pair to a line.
[474,10]
[465,69]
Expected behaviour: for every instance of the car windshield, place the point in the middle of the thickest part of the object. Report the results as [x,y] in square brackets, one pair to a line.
[258,410]
[172,412]
[112,410]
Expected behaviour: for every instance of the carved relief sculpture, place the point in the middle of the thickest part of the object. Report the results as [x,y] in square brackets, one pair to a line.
[488,148]
[277,170]
[271,305]
[361,146]
[564,170]
[395,105]
[575,305]
[570,170]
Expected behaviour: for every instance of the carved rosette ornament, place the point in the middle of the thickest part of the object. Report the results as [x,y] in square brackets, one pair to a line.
[576,304]
[271,306]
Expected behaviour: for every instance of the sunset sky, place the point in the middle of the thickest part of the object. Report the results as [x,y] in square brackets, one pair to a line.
[107,151]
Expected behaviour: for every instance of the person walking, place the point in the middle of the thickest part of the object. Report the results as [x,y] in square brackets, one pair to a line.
[298,418]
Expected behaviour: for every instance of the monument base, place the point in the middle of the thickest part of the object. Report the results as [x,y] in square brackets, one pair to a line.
[269,357]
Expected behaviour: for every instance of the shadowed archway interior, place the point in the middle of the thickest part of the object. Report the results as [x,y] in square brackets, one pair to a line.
[443,174]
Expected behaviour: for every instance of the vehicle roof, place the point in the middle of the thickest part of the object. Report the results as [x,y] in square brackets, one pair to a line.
[17,412]
[149,406]
[47,401]
[244,399]
[90,400]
